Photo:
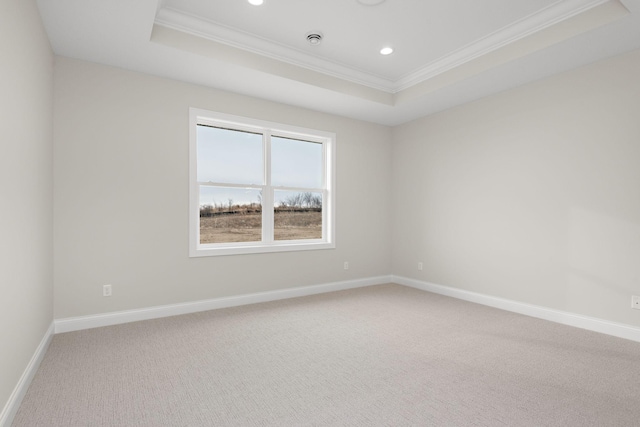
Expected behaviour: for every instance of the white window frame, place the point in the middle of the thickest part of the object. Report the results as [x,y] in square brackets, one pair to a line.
[267,129]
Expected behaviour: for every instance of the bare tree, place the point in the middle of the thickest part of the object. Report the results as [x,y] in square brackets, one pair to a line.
[302,200]
[315,201]
[206,210]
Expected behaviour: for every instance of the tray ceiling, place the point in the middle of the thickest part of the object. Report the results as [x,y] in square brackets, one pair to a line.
[445,52]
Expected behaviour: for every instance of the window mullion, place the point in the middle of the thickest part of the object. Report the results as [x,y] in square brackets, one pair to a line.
[267,193]
[228,185]
[299,189]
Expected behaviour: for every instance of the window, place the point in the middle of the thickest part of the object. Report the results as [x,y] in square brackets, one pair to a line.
[258,186]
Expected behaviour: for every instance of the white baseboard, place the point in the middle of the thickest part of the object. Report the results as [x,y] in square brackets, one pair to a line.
[95,321]
[590,323]
[11,408]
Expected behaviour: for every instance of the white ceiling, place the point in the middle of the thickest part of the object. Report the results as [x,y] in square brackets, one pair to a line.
[447,52]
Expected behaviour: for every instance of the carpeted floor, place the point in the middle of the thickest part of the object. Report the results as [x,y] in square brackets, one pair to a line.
[382,355]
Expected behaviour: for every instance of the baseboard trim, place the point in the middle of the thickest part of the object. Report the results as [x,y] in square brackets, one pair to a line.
[12,405]
[566,318]
[114,318]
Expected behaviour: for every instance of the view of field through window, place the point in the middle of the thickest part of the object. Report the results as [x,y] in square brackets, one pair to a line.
[231,177]
[299,217]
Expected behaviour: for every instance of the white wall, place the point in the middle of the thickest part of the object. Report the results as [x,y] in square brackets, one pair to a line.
[531,195]
[26,88]
[121,196]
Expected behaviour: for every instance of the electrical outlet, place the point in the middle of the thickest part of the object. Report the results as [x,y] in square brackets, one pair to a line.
[635,302]
[420,266]
[346,265]
[106,291]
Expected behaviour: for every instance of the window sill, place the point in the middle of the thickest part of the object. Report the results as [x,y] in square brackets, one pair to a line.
[252,248]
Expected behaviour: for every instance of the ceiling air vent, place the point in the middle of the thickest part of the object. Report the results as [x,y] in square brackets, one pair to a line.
[314,38]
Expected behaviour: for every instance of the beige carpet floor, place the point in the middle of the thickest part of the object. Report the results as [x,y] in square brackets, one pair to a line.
[377,356]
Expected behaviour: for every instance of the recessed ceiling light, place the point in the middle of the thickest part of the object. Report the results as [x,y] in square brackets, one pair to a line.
[256,2]
[386,51]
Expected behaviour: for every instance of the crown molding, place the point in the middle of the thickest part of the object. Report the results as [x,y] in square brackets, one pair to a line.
[559,11]
[199,27]
[544,18]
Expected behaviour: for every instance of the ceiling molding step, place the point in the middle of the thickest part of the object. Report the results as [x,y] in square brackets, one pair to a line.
[194,44]
[558,12]
[199,27]
[605,13]
[534,23]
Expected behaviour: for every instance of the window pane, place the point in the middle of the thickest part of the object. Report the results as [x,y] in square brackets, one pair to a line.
[297,215]
[230,215]
[296,163]
[229,156]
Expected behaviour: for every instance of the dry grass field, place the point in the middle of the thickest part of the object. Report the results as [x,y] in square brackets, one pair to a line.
[247,226]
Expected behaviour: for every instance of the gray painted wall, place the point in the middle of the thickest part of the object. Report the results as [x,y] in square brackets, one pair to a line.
[531,195]
[26,120]
[121,196]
